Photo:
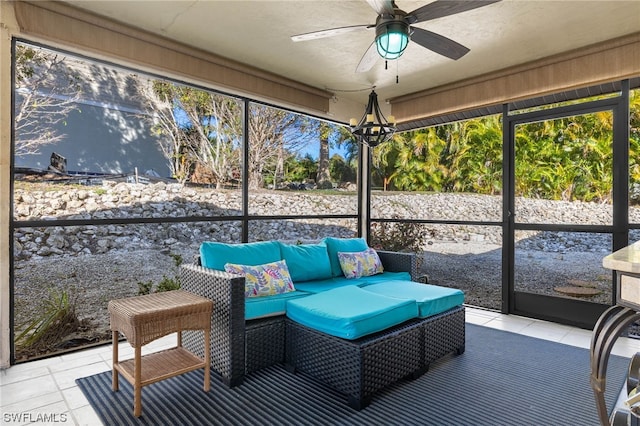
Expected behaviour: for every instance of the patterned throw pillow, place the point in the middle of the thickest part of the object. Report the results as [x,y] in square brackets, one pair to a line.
[360,264]
[263,280]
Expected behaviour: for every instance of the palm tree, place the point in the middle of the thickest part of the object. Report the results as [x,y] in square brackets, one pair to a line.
[323,178]
[475,155]
[330,134]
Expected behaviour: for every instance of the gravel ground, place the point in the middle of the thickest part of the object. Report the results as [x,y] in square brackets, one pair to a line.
[475,268]
[90,281]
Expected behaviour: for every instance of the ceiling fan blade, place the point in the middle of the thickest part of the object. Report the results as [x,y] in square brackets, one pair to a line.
[439,44]
[330,32]
[368,59]
[441,8]
[382,7]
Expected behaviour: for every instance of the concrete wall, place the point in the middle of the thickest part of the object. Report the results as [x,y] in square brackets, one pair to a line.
[102,139]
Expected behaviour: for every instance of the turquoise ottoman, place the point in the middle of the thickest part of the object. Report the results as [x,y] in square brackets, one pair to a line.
[430,299]
[350,312]
[358,341]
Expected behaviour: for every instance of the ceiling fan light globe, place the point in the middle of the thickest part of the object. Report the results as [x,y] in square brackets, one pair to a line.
[392,37]
[391,45]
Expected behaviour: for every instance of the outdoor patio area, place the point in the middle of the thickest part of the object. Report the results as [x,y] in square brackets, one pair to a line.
[47,389]
[496,165]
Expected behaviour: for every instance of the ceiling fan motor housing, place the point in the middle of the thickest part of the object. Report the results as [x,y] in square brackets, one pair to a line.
[392,34]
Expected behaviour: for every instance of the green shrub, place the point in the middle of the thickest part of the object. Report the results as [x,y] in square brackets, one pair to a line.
[166,283]
[177,259]
[397,236]
[144,287]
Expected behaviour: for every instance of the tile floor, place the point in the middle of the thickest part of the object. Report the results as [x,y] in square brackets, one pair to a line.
[45,392]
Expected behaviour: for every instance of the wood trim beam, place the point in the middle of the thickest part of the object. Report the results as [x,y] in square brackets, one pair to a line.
[8,26]
[67,25]
[608,61]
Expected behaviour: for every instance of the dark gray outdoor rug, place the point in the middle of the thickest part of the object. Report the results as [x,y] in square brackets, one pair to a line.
[502,379]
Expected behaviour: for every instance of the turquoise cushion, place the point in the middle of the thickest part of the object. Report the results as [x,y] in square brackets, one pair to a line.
[350,312]
[381,278]
[214,255]
[258,307]
[323,285]
[431,299]
[306,262]
[319,286]
[334,245]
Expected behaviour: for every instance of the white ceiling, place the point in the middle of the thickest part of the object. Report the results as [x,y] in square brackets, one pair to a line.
[259,33]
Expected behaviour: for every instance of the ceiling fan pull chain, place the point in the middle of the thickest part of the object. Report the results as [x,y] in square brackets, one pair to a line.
[386,64]
[397,71]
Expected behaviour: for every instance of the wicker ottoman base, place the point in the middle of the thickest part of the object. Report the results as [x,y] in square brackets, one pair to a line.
[359,368]
[443,334]
[264,343]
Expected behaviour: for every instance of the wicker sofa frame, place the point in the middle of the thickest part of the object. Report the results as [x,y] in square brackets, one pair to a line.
[239,347]
[359,368]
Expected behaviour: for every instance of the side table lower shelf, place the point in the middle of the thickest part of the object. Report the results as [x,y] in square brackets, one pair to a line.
[142,319]
[162,365]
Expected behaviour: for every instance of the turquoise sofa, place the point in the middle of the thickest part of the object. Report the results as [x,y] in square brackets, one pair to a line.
[313,268]
[249,333]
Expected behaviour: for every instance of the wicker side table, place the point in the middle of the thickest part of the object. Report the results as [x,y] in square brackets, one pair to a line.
[141,320]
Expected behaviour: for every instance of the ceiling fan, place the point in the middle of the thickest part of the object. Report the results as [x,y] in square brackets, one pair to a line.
[394,29]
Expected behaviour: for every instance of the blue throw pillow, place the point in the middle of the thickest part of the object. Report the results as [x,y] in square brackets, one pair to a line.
[334,245]
[306,262]
[215,255]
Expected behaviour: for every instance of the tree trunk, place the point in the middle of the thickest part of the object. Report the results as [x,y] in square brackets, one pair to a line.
[278,176]
[323,179]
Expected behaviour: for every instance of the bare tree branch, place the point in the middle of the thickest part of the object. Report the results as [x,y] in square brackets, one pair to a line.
[195,128]
[47,90]
[171,139]
[273,133]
